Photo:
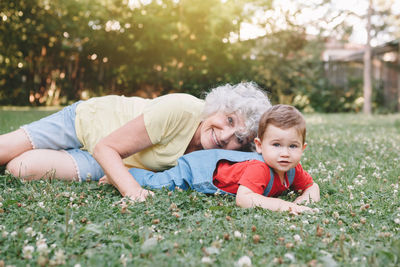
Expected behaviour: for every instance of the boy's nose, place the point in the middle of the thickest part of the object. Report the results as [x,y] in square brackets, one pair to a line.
[284,151]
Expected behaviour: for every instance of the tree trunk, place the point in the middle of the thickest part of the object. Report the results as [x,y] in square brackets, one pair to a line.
[367,65]
[398,77]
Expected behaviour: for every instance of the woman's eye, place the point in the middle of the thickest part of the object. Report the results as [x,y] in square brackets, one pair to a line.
[230,120]
[240,140]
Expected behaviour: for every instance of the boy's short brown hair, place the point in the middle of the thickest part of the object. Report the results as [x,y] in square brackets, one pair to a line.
[284,117]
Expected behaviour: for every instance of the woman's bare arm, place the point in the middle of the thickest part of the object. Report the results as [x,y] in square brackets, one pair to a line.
[123,142]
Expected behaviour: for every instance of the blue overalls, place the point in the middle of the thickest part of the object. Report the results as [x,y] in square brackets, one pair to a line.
[195,171]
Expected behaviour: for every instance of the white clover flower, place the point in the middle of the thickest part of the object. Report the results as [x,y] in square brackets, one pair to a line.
[292,227]
[297,238]
[53,245]
[29,231]
[42,248]
[13,233]
[2,227]
[244,261]
[237,234]
[315,210]
[41,205]
[71,222]
[4,234]
[397,220]
[27,252]
[290,256]
[39,236]
[1,204]
[123,259]
[77,265]
[207,260]
[59,257]
[350,187]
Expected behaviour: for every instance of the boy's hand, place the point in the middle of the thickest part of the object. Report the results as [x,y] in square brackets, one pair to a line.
[298,209]
[302,200]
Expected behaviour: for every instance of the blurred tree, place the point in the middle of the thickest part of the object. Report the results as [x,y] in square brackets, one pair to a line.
[55,52]
[367,79]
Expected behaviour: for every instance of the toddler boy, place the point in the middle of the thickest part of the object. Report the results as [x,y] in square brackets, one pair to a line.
[255,179]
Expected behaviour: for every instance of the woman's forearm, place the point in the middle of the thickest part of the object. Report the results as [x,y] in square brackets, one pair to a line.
[115,170]
[109,152]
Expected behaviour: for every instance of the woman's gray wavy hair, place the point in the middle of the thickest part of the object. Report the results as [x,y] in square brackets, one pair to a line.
[245,99]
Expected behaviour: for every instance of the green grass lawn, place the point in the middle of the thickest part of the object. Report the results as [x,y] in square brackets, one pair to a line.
[354,159]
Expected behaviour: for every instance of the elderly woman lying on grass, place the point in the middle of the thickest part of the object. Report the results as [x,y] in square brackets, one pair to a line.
[112,133]
[254,178]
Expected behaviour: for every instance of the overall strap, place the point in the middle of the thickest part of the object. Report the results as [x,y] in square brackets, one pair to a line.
[290,174]
[271,182]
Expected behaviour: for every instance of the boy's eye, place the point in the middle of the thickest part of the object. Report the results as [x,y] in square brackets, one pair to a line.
[293,146]
[276,144]
[230,120]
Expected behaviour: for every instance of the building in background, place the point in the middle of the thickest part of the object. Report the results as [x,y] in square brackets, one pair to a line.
[344,64]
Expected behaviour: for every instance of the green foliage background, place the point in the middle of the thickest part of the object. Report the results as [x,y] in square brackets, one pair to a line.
[53,51]
[56,52]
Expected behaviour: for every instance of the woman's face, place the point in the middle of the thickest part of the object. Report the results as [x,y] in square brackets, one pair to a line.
[220,131]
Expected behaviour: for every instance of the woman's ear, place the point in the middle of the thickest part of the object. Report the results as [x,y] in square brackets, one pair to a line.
[257,142]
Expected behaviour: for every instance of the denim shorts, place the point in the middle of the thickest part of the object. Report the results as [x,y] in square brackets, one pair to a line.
[57,132]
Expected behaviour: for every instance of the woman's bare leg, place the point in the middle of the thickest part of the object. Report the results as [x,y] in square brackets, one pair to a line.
[43,163]
[12,145]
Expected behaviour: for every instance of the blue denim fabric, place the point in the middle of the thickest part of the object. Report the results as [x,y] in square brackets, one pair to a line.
[194,170]
[57,132]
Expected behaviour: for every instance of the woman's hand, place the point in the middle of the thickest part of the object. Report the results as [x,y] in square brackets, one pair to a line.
[140,195]
[104,180]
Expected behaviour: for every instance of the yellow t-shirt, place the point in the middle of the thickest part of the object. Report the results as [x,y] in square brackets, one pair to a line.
[170,120]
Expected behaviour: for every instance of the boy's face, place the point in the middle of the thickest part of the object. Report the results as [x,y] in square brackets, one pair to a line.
[280,148]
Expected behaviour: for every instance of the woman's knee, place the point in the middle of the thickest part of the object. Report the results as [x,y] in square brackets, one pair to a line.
[23,168]
[43,163]
[12,145]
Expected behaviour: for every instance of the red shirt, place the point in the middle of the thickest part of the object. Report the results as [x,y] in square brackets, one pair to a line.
[255,175]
